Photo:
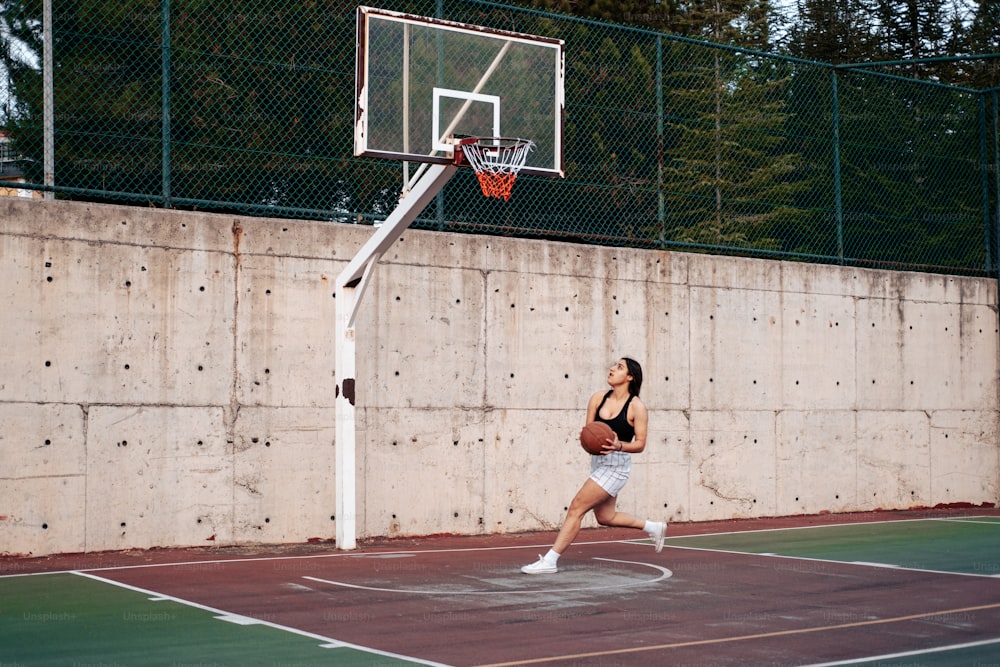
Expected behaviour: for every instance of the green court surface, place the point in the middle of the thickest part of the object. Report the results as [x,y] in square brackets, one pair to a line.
[968,545]
[71,619]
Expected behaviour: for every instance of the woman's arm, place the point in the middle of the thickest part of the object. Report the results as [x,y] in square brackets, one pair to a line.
[639,417]
[592,405]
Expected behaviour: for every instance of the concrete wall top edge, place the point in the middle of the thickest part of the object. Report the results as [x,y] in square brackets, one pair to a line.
[185,230]
[247,235]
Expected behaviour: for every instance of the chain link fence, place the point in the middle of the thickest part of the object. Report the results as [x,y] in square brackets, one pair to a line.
[247,106]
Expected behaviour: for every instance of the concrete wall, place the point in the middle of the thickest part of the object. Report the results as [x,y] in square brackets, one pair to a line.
[167,378]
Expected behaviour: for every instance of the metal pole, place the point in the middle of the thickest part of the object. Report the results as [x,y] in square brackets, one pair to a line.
[439,199]
[660,213]
[48,113]
[345,445]
[165,98]
[984,182]
[838,206]
[995,164]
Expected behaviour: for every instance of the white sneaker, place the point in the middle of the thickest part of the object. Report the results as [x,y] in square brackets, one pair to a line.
[539,567]
[658,535]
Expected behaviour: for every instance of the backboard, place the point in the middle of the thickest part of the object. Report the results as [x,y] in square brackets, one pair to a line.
[421,82]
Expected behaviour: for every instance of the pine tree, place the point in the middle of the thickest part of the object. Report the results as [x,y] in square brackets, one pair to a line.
[249,88]
[21,87]
[745,23]
[833,31]
[652,14]
[730,171]
[912,30]
[982,37]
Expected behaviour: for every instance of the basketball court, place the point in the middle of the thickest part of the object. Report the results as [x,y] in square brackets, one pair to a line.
[898,588]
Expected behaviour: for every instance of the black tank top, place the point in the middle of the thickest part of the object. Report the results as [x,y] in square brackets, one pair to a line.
[620,423]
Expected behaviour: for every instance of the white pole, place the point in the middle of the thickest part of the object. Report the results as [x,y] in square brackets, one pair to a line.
[351,284]
[345,465]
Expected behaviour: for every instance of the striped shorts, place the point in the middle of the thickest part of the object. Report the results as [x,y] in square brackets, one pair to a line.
[611,471]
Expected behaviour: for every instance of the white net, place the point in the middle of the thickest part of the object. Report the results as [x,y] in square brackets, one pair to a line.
[497,161]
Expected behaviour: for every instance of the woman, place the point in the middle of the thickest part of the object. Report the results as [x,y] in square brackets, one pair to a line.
[622,410]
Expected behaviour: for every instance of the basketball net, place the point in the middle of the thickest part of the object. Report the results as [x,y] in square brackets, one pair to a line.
[496,161]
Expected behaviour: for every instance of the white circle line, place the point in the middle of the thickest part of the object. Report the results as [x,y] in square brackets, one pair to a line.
[664,574]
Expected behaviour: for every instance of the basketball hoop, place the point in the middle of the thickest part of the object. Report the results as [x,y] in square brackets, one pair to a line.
[496,161]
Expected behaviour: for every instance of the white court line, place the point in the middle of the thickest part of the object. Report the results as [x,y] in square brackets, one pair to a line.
[355,554]
[884,566]
[970,519]
[340,554]
[664,574]
[325,642]
[831,525]
[973,520]
[907,654]
[742,638]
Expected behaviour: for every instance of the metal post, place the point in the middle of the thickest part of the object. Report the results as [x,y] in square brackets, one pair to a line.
[345,471]
[984,182]
[48,113]
[165,98]
[660,213]
[439,200]
[994,166]
[838,206]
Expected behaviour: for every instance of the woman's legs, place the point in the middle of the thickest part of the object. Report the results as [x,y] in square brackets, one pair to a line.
[592,497]
[607,515]
[589,496]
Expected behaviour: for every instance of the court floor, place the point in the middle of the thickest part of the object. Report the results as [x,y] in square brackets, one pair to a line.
[909,588]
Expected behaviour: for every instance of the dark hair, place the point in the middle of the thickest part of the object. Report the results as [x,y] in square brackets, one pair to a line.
[635,370]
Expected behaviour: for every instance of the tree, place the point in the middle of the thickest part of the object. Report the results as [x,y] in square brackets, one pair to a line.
[254,109]
[981,37]
[610,132]
[643,13]
[730,171]
[21,88]
[833,31]
[907,152]
[912,30]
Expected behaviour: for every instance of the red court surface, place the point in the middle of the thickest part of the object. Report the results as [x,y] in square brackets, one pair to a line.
[463,601]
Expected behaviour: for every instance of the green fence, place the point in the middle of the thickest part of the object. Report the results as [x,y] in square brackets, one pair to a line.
[669,143]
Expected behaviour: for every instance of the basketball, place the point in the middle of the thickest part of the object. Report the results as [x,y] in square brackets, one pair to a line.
[595,435]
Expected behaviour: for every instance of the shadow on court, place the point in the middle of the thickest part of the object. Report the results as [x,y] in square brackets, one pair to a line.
[909,587]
